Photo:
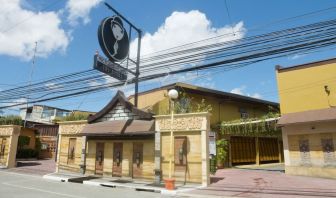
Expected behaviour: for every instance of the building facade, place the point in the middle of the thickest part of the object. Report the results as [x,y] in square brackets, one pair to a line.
[122,141]
[308,114]
[42,114]
[226,107]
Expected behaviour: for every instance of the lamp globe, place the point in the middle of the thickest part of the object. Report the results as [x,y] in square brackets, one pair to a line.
[173,94]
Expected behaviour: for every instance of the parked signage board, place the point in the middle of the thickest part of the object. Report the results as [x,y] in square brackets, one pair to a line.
[113,39]
[110,68]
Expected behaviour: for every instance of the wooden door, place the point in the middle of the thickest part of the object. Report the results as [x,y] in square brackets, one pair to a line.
[99,158]
[137,159]
[268,149]
[243,150]
[117,159]
[180,156]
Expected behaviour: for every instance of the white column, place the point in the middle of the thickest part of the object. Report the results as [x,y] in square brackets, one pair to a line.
[285,146]
[205,158]
[83,155]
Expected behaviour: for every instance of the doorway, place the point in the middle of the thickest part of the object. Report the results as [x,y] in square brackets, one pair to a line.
[137,159]
[99,158]
[117,159]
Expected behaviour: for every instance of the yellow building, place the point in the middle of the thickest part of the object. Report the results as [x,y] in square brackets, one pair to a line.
[122,141]
[225,107]
[307,101]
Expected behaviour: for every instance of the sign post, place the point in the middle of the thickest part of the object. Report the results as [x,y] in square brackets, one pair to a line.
[114,42]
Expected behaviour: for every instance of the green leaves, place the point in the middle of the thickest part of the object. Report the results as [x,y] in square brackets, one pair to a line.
[10,120]
[264,126]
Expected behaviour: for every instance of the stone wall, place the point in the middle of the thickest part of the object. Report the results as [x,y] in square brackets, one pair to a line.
[118,113]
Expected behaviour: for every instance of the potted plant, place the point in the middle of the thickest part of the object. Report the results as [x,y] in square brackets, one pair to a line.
[221,152]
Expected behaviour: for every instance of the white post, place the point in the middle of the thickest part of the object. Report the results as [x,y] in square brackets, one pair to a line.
[171,140]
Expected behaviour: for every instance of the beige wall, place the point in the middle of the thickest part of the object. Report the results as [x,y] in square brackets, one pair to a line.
[11,134]
[303,88]
[63,152]
[69,130]
[195,127]
[158,103]
[127,157]
[314,133]
[194,157]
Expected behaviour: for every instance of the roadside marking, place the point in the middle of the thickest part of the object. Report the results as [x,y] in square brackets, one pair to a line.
[40,190]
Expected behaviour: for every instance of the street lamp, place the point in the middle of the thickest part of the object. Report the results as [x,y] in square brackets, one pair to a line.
[170,183]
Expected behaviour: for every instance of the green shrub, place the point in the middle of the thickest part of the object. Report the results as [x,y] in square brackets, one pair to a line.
[222,150]
[23,141]
[26,153]
[73,117]
[38,145]
[10,120]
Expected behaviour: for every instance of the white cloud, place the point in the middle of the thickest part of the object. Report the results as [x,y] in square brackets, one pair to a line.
[256,95]
[182,28]
[21,28]
[80,10]
[238,90]
[241,91]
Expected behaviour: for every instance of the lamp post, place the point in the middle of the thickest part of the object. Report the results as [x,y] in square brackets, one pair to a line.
[170,183]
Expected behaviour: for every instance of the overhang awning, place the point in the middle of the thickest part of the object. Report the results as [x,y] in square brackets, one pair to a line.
[120,128]
[321,115]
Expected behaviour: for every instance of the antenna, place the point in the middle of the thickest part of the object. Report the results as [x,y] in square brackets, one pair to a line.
[30,79]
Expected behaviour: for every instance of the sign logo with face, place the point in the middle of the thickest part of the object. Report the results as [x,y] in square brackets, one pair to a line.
[113,38]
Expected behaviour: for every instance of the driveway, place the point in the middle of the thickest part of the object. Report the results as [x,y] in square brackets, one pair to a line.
[35,167]
[261,183]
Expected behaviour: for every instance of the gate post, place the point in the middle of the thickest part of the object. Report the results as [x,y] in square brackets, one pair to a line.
[257,151]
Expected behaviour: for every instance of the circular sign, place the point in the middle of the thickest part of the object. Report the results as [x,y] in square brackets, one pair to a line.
[113,38]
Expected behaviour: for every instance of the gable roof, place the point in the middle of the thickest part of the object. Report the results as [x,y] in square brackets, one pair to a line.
[120,98]
[210,92]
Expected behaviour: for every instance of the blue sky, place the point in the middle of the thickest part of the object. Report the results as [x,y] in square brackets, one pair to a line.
[70,45]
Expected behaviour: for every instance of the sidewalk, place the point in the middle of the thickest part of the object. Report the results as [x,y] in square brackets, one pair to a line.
[262,184]
[116,182]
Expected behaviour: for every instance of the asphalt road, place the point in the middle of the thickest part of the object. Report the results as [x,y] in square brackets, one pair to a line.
[15,185]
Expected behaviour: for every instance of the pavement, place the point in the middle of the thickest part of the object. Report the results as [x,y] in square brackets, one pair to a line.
[264,183]
[17,185]
[36,167]
[242,181]
[117,182]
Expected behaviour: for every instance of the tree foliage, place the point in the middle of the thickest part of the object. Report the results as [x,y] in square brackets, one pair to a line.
[74,116]
[10,120]
[186,104]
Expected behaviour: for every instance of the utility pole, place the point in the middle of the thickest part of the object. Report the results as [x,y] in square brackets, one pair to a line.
[30,79]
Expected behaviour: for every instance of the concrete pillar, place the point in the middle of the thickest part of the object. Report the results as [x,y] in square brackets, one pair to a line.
[279,150]
[205,158]
[285,146]
[157,158]
[83,155]
[257,151]
[58,151]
